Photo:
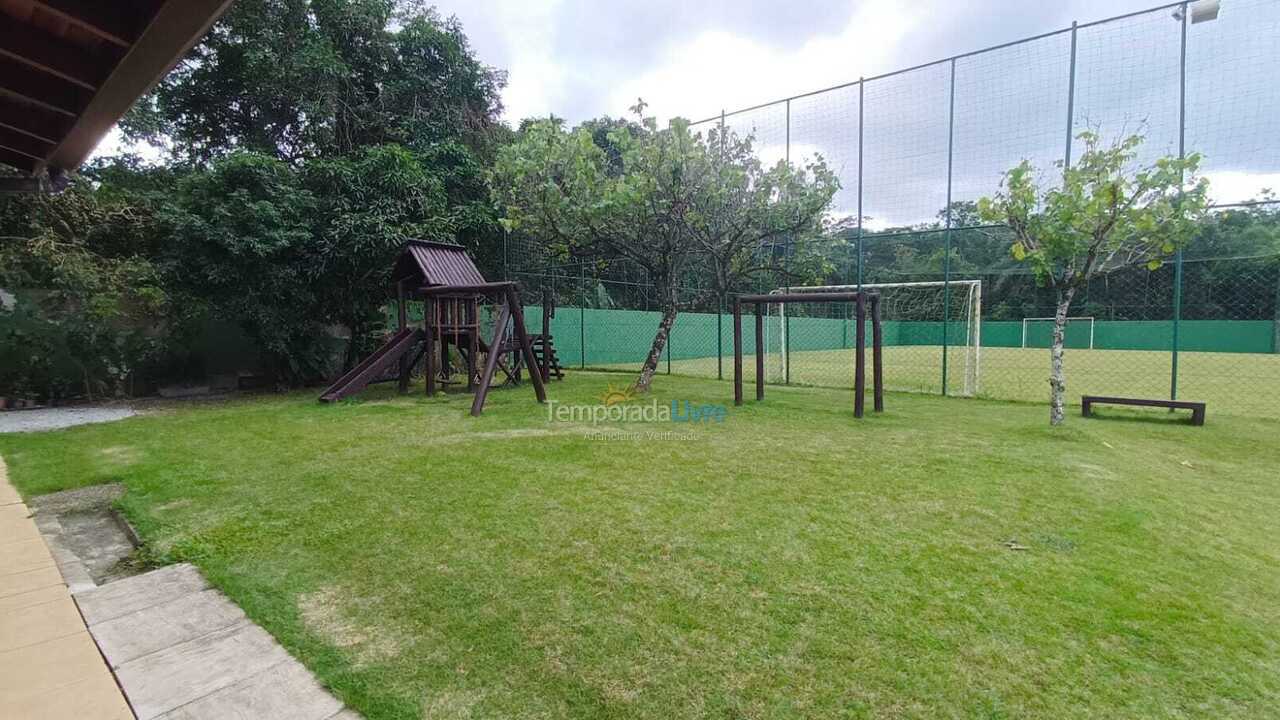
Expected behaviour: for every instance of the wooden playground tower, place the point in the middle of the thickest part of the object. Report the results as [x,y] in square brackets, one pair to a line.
[451,289]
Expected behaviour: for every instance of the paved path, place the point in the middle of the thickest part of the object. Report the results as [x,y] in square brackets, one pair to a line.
[178,648]
[182,650]
[50,667]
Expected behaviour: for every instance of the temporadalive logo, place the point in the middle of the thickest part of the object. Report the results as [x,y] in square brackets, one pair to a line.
[617,405]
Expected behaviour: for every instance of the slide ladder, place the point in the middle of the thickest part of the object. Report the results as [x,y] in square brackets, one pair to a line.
[374,367]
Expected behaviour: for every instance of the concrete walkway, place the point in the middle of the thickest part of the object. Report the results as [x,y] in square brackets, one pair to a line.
[178,648]
[182,650]
[49,665]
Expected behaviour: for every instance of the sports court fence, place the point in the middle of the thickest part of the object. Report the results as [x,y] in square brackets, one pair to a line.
[915,149]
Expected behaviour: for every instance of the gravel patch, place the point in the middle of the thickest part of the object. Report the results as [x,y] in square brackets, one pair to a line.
[57,418]
[88,499]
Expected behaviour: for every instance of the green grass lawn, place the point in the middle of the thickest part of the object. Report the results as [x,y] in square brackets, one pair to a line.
[1234,383]
[788,562]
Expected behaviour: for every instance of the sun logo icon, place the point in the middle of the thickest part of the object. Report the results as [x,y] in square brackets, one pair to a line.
[613,395]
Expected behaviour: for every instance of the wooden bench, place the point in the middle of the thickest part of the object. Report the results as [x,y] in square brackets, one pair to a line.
[1197,408]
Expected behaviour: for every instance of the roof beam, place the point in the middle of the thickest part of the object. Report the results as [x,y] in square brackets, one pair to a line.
[109,21]
[33,86]
[17,160]
[30,120]
[25,144]
[175,28]
[51,54]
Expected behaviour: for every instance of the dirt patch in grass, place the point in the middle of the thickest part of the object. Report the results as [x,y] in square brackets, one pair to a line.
[325,612]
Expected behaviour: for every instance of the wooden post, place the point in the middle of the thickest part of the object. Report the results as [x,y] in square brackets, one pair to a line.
[522,335]
[446,323]
[402,322]
[490,362]
[760,351]
[859,371]
[429,350]
[401,312]
[473,348]
[548,312]
[737,352]
[457,324]
[877,344]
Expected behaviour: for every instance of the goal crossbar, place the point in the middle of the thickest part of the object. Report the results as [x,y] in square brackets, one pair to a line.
[969,289]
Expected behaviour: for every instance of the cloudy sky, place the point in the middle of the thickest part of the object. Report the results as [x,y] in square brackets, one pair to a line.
[580,59]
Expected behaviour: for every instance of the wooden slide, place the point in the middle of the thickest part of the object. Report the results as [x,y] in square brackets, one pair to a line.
[374,367]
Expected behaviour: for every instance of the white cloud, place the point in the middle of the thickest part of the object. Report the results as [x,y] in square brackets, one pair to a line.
[526,32]
[718,70]
[1231,186]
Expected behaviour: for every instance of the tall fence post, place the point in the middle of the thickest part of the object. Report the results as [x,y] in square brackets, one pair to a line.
[1182,151]
[858,246]
[720,308]
[582,317]
[720,339]
[861,105]
[946,242]
[1071,98]
[786,275]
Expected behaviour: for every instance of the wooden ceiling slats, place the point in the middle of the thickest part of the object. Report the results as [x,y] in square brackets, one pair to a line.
[25,144]
[51,54]
[30,120]
[69,69]
[17,160]
[115,22]
[51,93]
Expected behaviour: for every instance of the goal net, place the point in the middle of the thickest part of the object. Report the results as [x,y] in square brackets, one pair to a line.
[803,340]
[1037,332]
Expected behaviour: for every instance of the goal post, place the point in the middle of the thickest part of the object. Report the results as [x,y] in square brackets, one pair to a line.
[1078,319]
[929,303]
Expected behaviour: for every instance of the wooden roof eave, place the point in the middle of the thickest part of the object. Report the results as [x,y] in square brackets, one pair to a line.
[174,29]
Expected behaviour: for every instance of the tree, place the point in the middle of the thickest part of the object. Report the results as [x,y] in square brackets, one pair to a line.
[307,78]
[85,306]
[366,206]
[1106,215]
[361,122]
[246,248]
[664,200]
[747,209]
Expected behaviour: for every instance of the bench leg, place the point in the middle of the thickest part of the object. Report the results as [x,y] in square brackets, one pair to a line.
[1197,416]
[1084,408]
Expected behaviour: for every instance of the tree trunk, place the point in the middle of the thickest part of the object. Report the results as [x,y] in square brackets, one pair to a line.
[659,344]
[352,352]
[1057,378]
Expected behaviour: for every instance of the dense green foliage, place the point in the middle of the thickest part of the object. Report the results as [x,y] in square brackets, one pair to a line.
[307,140]
[87,302]
[790,562]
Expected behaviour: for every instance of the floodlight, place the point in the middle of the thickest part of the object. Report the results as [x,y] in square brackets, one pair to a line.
[1201,11]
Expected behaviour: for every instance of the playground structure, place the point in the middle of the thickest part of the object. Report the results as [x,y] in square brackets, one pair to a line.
[451,289]
[860,300]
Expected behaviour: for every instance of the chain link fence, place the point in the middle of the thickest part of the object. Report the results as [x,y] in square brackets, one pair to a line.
[915,149]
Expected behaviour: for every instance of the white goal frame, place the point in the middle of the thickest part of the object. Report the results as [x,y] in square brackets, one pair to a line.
[973,325]
[1090,318]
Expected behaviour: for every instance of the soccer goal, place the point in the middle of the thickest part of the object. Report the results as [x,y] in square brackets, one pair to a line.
[1038,332]
[913,313]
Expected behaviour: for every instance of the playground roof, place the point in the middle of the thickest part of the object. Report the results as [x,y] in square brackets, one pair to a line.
[69,69]
[437,264]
